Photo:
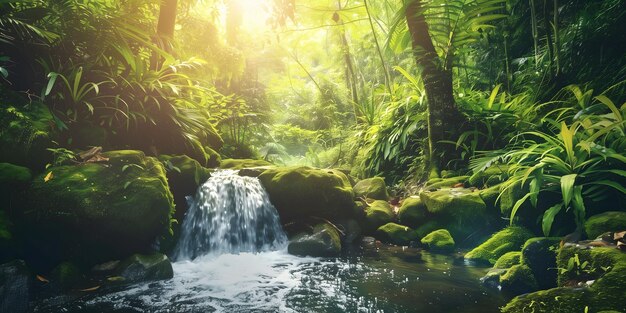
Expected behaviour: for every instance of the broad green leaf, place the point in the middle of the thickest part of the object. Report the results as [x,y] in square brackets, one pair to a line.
[548,218]
[517,205]
[567,188]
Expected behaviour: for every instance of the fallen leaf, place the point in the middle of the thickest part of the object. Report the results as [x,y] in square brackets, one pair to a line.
[619,236]
[48,177]
[116,278]
[458,185]
[91,289]
[42,279]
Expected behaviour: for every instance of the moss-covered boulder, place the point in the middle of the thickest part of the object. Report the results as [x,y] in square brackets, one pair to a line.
[508,259]
[412,212]
[396,234]
[509,239]
[461,211]
[184,176]
[11,175]
[15,287]
[605,222]
[539,254]
[439,241]
[518,279]
[556,300]
[237,164]
[439,183]
[490,197]
[214,159]
[138,268]
[377,213]
[301,192]
[373,188]
[25,135]
[97,211]
[321,241]
[491,176]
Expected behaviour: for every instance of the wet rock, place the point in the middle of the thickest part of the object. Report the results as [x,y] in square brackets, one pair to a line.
[15,286]
[518,279]
[439,241]
[65,276]
[605,222]
[301,192]
[95,212]
[412,212]
[139,268]
[508,259]
[539,254]
[253,171]
[352,231]
[373,188]
[396,234]
[377,214]
[214,159]
[509,239]
[322,241]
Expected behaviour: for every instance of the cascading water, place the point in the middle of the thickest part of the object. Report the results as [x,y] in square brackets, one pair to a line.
[230,214]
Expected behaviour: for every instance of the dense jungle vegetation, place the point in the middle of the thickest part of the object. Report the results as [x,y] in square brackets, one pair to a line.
[524,96]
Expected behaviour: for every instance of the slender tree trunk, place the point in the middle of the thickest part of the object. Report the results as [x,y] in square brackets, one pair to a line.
[165,30]
[444,119]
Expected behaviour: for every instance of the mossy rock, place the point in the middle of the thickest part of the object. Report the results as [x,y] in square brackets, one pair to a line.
[237,164]
[377,214]
[25,135]
[139,268]
[491,176]
[439,241]
[412,212]
[556,300]
[322,241]
[11,175]
[509,239]
[461,211]
[508,259]
[428,227]
[98,211]
[438,183]
[605,222]
[539,254]
[518,279]
[490,197]
[396,234]
[449,174]
[373,188]
[214,159]
[300,192]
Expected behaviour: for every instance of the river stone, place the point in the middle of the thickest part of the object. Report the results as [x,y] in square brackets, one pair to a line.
[605,222]
[509,239]
[322,241]
[377,213]
[518,279]
[138,268]
[396,234]
[412,212]
[439,241]
[237,164]
[301,192]
[373,188]
[95,212]
[540,255]
[15,286]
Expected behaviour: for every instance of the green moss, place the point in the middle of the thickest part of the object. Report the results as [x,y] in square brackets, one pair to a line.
[428,228]
[214,159]
[604,222]
[13,174]
[301,192]
[509,239]
[373,188]
[510,195]
[109,208]
[237,164]
[185,170]
[396,234]
[540,255]
[322,241]
[449,174]
[490,197]
[439,241]
[377,214]
[438,183]
[556,300]
[412,212]
[491,176]
[518,279]
[508,259]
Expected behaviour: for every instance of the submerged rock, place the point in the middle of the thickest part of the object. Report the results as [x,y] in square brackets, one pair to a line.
[396,234]
[15,286]
[439,241]
[322,241]
[377,213]
[412,212]
[95,212]
[373,188]
[605,222]
[237,164]
[509,239]
[301,192]
[138,268]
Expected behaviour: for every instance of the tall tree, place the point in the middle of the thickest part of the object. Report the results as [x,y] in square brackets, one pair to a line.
[165,29]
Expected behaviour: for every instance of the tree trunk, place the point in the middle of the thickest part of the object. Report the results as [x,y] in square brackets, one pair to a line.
[444,119]
[165,30]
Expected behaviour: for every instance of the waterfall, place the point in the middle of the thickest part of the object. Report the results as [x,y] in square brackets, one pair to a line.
[229,214]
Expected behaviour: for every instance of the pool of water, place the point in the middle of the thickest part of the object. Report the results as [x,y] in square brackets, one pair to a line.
[385,279]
